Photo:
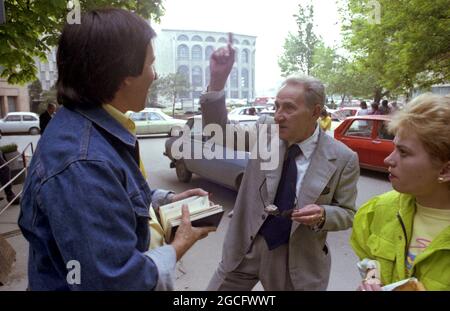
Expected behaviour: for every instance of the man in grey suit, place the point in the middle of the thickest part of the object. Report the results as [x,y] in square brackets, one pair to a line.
[316,176]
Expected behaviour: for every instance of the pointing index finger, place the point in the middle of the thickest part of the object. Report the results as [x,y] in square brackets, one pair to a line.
[230,39]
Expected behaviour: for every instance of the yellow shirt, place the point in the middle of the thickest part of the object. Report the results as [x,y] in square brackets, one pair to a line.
[325,123]
[157,232]
[428,223]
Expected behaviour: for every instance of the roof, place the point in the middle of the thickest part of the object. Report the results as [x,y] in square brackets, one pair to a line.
[382,117]
[20,113]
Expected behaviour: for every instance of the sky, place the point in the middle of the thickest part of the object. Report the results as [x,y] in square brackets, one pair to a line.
[270,21]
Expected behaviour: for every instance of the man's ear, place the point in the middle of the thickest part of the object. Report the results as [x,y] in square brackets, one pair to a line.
[317,110]
[444,175]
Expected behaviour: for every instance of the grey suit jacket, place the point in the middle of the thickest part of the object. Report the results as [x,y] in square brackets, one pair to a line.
[330,182]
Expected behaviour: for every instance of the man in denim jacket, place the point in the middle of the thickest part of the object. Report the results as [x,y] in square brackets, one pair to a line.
[85,206]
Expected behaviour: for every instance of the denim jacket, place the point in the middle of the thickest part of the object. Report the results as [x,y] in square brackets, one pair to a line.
[85,209]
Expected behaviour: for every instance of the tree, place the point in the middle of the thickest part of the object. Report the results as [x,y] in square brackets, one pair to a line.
[171,86]
[35,90]
[407,48]
[299,48]
[33,27]
[340,75]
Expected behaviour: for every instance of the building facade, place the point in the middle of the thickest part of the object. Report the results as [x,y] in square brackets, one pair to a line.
[13,98]
[188,52]
[47,71]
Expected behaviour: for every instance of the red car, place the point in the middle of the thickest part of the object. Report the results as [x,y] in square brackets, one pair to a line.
[367,136]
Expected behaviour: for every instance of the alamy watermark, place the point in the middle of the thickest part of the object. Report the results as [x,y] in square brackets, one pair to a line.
[262,142]
[375,12]
[74,272]
[74,15]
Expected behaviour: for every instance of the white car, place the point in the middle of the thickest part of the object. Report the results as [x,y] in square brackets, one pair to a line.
[154,121]
[246,110]
[20,122]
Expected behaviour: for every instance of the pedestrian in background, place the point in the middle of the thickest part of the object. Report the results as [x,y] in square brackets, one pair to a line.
[46,116]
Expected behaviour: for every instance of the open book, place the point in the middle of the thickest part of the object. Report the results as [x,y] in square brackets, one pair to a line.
[203,214]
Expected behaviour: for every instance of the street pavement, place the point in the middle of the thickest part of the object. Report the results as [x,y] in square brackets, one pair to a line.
[197,266]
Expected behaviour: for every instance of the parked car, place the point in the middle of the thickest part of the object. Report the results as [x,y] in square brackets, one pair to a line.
[367,136]
[226,172]
[20,122]
[154,121]
[246,110]
[344,112]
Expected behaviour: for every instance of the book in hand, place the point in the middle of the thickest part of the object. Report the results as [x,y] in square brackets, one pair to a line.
[203,213]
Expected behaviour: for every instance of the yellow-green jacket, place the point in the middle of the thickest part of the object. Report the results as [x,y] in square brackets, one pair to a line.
[382,230]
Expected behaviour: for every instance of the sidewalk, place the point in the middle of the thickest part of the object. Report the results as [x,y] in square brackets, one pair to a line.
[17,279]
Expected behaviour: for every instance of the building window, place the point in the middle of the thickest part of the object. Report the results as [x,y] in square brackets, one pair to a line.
[183,38]
[208,52]
[183,52]
[236,55]
[245,58]
[197,52]
[245,94]
[223,40]
[234,94]
[197,38]
[234,80]
[2,109]
[197,77]
[210,39]
[12,103]
[245,42]
[244,78]
[235,41]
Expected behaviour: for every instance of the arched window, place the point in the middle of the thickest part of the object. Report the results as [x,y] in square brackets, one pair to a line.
[197,38]
[223,40]
[234,78]
[182,38]
[184,70]
[210,39]
[183,52]
[244,78]
[197,52]
[197,76]
[235,41]
[245,58]
[236,55]
[208,51]
[245,42]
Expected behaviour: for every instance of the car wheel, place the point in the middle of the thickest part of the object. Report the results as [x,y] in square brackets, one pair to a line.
[183,174]
[34,131]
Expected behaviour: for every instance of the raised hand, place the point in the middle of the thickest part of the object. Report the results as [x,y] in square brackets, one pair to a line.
[221,63]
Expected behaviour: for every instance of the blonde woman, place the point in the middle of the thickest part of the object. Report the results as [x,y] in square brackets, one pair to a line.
[407,231]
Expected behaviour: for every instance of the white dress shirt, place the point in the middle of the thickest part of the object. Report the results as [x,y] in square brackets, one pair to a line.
[308,146]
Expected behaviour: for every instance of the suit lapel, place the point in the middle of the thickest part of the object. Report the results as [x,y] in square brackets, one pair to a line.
[318,174]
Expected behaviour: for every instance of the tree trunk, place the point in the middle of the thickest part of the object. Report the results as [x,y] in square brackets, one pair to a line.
[377,96]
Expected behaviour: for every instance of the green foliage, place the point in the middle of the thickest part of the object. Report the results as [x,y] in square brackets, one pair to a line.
[171,86]
[299,48]
[408,48]
[8,148]
[33,27]
[35,90]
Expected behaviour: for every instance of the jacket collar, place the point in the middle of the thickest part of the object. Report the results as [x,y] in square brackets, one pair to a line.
[104,120]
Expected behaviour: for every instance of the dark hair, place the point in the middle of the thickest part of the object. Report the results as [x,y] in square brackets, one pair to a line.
[95,56]
[363,104]
[384,102]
